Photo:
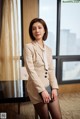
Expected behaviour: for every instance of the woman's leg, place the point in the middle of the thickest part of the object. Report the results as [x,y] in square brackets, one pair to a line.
[54,109]
[42,110]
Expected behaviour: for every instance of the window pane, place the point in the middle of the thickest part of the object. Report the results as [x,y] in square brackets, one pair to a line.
[48,12]
[71,71]
[70,28]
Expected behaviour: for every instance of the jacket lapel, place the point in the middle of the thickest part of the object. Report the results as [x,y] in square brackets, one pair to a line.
[38,50]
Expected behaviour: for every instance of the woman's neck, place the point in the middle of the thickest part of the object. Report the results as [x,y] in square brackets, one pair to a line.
[41,43]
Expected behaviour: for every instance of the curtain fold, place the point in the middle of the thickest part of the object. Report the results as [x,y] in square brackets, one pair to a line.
[9,42]
[10,83]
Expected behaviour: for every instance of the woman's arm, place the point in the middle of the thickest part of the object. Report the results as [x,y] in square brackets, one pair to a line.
[52,77]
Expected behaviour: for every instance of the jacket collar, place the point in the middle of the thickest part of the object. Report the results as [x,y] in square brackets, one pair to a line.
[38,49]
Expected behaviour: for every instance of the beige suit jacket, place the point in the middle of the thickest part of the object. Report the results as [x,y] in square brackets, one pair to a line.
[39,78]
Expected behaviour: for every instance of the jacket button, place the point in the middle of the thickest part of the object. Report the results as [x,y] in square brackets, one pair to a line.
[45,76]
[45,72]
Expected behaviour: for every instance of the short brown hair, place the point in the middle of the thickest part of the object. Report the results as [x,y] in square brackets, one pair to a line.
[44,25]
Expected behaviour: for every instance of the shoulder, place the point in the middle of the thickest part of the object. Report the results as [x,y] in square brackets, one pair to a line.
[28,46]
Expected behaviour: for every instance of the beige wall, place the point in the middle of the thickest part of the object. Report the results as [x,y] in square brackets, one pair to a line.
[30,11]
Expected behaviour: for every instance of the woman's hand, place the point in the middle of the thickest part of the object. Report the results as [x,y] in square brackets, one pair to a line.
[54,94]
[46,97]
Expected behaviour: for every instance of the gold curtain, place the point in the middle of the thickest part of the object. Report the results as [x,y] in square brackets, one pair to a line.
[9,42]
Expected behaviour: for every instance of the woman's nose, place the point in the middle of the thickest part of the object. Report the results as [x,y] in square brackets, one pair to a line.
[37,29]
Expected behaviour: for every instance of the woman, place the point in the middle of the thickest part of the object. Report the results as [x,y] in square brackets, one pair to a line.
[42,84]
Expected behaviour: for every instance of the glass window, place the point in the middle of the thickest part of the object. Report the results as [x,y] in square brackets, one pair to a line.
[48,12]
[70,27]
[71,70]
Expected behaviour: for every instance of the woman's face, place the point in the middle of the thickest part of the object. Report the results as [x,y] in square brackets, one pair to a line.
[38,31]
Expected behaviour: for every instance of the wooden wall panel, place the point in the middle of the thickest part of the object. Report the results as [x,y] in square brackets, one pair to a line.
[30,11]
[69,88]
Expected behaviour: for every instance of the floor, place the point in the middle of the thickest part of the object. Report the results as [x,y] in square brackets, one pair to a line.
[69,103]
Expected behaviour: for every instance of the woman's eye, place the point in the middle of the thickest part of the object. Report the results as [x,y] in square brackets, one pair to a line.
[34,28]
[40,27]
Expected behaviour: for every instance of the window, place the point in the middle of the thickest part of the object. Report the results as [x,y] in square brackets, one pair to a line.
[70,41]
[70,28]
[62,18]
[71,70]
[48,12]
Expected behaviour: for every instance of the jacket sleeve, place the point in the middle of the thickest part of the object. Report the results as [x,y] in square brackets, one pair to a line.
[52,77]
[28,60]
